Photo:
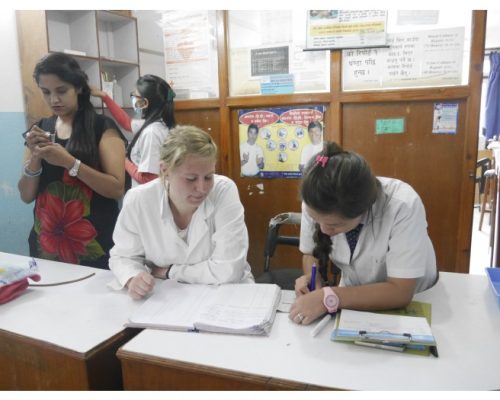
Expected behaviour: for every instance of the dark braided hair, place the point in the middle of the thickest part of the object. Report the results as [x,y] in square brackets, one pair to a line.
[343,184]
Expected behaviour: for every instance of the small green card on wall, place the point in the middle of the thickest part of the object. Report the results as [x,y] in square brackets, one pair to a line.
[389,126]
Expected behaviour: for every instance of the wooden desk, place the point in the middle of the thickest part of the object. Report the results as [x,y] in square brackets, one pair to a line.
[465,322]
[63,337]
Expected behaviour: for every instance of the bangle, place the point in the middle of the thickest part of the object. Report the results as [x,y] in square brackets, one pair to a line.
[32,174]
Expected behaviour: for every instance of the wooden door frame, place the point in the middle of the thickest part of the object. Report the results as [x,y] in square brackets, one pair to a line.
[478,39]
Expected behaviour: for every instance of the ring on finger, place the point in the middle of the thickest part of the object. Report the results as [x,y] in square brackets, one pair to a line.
[300,317]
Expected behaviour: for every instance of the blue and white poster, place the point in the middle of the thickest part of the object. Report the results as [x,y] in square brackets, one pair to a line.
[445,118]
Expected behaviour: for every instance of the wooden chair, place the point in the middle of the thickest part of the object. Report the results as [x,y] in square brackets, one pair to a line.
[489,197]
[482,165]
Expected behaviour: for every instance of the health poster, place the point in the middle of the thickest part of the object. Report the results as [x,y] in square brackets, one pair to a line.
[279,142]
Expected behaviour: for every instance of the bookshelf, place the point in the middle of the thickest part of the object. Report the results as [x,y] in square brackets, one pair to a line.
[105,43]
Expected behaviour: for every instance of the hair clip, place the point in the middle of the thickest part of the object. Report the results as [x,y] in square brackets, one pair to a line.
[170,95]
[322,160]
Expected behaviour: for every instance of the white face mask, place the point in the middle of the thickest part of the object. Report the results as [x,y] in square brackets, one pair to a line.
[135,100]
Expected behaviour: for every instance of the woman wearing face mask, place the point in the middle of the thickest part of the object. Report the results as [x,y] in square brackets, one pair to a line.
[188,225]
[153,101]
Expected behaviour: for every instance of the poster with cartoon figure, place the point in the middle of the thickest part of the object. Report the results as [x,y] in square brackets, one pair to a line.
[278,142]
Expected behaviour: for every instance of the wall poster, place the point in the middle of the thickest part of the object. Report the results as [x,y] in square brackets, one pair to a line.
[422,58]
[278,142]
[191,53]
[445,118]
[344,29]
[269,61]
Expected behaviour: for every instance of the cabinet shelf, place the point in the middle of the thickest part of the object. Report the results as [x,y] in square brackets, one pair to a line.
[110,61]
[72,32]
[117,37]
[103,42]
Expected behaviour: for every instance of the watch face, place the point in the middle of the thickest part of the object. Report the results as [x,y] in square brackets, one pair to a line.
[331,301]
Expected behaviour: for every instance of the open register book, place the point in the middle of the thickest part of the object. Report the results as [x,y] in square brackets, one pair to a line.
[231,308]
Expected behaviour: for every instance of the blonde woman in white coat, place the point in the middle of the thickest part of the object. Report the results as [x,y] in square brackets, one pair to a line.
[187,225]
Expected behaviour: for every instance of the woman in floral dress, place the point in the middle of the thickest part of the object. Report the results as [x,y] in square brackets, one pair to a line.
[73,169]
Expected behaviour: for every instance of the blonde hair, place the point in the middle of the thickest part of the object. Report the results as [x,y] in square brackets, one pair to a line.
[186,140]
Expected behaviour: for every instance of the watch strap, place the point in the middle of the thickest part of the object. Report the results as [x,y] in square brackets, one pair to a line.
[75,168]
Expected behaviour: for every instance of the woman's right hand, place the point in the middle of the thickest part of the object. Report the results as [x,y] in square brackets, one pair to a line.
[140,285]
[96,92]
[36,136]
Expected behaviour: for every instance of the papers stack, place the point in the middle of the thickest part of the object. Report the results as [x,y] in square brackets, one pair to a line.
[231,308]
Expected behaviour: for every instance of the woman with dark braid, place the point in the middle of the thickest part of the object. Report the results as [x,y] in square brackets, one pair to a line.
[374,229]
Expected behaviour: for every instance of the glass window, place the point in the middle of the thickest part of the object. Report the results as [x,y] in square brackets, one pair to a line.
[266,54]
[426,48]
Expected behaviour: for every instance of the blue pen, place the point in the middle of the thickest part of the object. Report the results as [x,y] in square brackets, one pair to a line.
[312,285]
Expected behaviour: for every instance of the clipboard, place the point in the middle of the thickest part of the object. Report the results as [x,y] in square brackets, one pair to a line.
[401,329]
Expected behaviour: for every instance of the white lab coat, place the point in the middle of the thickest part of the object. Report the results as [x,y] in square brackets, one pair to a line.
[217,240]
[146,151]
[392,243]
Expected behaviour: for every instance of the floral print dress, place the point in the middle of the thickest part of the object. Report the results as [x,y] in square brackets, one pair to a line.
[72,223]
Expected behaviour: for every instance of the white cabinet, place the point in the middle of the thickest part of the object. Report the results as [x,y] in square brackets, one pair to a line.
[105,45]
[117,37]
[72,32]
[103,42]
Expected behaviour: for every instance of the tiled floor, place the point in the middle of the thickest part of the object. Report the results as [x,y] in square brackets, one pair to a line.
[480,245]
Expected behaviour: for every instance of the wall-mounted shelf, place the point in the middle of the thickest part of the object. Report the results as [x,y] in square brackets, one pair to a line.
[103,42]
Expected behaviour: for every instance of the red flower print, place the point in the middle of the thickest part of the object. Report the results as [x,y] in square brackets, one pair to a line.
[63,231]
[72,181]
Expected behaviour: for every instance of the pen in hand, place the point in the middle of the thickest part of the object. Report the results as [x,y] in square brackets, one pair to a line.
[312,284]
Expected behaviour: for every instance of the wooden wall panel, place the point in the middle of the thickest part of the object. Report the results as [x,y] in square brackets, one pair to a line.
[276,196]
[431,163]
[207,119]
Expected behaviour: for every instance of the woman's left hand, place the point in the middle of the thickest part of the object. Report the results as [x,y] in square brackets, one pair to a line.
[54,154]
[307,308]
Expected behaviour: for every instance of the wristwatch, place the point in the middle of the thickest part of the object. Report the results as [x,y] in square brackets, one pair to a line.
[330,299]
[75,168]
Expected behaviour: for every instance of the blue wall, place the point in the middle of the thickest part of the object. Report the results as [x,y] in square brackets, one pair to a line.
[16,217]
